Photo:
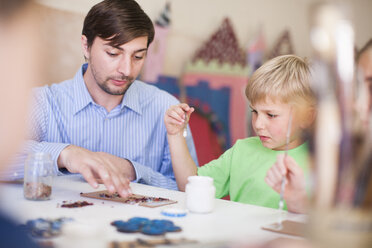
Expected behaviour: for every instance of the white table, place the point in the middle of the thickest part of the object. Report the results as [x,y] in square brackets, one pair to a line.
[230,221]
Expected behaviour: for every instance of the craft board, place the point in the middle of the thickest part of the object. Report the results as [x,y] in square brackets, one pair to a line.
[287,227]
[17,181]
[141,200]
[141,243]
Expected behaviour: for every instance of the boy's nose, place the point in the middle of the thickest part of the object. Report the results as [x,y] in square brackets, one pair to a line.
[259,123]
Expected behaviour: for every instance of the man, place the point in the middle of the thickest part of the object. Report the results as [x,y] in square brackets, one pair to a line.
[104,123]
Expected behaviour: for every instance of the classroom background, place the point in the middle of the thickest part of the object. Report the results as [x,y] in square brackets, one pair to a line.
[203,52]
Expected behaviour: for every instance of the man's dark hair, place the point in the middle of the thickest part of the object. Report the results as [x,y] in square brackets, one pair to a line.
[117,21]
[366,47]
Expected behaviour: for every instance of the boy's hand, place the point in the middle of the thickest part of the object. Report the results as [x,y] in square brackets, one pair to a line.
[295,190]
[176,118]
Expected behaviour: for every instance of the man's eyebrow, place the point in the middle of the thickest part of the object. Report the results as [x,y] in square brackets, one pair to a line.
[137,51]
[141,50]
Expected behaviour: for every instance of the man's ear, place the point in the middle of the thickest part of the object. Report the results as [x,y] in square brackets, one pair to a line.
[84,45]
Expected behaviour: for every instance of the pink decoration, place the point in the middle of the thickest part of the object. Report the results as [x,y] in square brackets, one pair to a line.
[238,104]
[154,62]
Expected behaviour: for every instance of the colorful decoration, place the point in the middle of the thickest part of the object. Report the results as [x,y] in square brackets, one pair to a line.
[154,62]
[221,63]
[282,46]
[236,128]
[256,51]
[210,121]
[222,47]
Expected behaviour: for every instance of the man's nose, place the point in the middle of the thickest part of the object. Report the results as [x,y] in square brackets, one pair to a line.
[125,65]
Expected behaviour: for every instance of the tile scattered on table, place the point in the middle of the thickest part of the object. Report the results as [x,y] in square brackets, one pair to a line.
[146,226]
[141,200]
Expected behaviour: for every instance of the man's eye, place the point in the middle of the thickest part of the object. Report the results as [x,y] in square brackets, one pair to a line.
[111,54]
[138,57]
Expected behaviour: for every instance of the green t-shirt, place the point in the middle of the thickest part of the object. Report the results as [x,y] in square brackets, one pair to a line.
[241,170]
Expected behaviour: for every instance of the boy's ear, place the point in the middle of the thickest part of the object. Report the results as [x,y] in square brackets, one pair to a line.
[308,118]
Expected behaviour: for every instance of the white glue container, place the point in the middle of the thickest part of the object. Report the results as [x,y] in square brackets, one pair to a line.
[200,194]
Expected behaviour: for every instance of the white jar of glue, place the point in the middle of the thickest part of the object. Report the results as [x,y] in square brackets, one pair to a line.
[200,194]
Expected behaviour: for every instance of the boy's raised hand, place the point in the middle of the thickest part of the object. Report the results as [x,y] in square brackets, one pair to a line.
[176,118]
[295,190]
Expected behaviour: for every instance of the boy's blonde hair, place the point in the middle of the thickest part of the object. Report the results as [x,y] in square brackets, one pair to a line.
[285,78]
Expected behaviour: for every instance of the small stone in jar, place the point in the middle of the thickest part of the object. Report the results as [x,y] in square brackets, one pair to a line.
[37,191]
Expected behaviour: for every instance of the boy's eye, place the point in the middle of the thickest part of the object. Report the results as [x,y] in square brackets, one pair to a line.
[254,111]
[272,115]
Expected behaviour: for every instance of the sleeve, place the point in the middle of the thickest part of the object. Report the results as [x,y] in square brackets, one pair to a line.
[219,170]
[163,175]
[37,130]
[163,178]
[148,176]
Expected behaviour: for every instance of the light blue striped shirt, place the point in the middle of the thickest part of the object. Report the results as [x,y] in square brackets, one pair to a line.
[65,114]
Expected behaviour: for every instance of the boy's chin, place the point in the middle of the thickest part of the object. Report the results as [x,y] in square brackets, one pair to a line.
[272,146]
[267,144]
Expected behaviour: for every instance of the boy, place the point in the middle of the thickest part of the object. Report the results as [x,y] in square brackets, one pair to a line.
[279,91]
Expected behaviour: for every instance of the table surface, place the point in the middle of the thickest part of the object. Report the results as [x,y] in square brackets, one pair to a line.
[229,221]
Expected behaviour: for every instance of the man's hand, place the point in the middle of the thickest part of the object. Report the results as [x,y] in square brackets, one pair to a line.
[295,190]
[176,118]
[115,172]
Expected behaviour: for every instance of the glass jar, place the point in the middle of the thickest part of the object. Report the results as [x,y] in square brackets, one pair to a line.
[38,176]
[200,194]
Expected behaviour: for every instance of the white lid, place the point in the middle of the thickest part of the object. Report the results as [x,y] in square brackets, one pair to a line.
[174,212]
[200,180]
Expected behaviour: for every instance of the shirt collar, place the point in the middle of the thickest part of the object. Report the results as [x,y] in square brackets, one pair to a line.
[82,97]
[131,98]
